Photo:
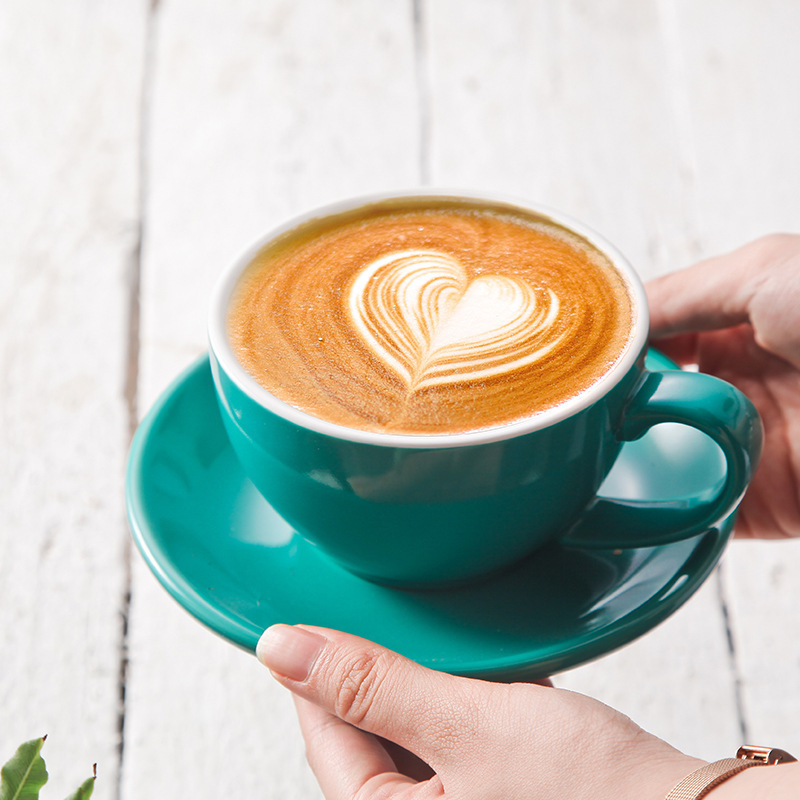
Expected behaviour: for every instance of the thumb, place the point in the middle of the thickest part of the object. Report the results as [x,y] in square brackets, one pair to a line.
[758,283]
[710,295]
[368,686]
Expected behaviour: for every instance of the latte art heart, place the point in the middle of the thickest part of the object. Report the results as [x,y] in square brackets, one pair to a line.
[422,315]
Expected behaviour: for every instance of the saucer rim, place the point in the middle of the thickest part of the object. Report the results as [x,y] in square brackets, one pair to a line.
[682,584]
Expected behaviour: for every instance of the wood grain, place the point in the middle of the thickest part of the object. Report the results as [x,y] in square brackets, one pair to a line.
[70,79]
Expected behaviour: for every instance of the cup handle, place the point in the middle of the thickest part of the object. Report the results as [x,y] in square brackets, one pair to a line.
[712,406]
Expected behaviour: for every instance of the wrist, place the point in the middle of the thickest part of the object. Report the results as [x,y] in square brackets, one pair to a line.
[715,776]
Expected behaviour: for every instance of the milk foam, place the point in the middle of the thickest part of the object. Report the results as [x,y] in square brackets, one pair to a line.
[429,317]
[422,315]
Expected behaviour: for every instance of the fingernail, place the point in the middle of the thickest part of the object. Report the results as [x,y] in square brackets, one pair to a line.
[289,651]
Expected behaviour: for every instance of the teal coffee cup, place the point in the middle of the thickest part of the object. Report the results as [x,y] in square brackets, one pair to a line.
[427,509]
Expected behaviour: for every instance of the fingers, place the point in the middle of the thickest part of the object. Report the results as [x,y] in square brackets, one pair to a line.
[346,761]
[712,294]
[371,688]
[757,284]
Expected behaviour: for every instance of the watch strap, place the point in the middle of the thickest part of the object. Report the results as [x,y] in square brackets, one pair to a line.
[699,783]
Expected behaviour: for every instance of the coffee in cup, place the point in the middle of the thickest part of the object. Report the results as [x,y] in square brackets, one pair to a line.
[429,316]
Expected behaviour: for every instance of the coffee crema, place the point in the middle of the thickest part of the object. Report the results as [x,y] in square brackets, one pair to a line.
[429,316]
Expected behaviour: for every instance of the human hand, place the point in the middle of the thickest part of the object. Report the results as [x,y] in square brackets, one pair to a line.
[737,316]
[377,725]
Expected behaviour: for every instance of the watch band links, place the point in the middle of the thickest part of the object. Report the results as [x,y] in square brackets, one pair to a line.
[699,783]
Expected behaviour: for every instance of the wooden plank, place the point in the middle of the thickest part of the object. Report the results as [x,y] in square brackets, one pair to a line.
[70,76]
[567,104]
[745,115]
[740,73]
[762,584]
[572,104]
[257,111]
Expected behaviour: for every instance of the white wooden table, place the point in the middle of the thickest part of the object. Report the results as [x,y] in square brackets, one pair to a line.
[144,143]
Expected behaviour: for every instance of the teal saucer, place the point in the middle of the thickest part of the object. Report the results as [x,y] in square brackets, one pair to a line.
[222,552]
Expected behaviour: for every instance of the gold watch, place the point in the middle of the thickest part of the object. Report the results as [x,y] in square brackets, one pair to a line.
[700,782]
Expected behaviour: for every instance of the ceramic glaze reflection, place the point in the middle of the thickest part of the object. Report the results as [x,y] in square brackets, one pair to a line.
[420,313]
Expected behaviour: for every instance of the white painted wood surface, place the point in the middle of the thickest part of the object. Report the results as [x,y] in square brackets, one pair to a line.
[70,80]
[669,125]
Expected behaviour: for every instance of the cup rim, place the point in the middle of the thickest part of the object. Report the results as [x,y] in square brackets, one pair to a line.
[222,351]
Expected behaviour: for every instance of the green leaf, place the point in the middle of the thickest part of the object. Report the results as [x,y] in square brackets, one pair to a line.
[84,791]
[23,776]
